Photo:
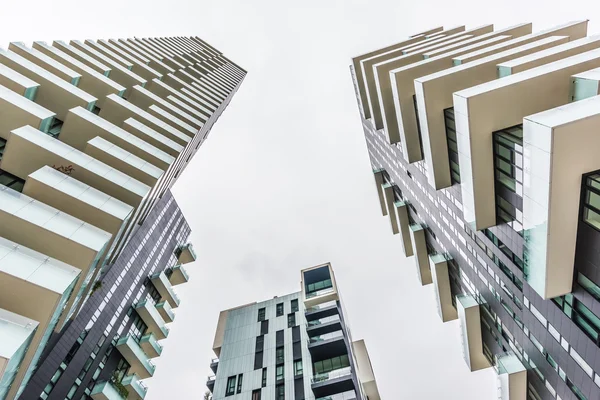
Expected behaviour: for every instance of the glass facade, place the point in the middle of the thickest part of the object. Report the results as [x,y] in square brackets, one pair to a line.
[591,207]
[508,171]
[452,145]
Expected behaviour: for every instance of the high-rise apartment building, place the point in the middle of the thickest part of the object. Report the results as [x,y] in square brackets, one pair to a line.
[298,346]
[484,145]
[93,134]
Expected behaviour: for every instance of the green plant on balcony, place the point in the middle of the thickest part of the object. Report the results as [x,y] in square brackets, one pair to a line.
[119,386]
[97,285]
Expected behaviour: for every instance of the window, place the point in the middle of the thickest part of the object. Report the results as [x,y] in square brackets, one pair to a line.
[294,305]
[264,327]
[256,394]
[280,392]
[591,210]
[239,385]
[279,355]
[261,314]
[331,364]
[264,377]
[588,286]
[279,373]
[230,386]
[291,320]
[452,145]
[279,309]
[298,368]
[260,343]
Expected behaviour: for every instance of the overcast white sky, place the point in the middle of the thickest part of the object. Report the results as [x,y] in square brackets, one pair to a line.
[284,181]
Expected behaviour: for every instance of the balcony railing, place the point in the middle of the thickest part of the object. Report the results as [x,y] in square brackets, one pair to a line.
[133,382]
[349,395]
[319,292]
[333,318]
[321,306]
[327,376]
[327,336]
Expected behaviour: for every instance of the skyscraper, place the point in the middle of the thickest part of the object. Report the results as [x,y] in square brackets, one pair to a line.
[298,346]
[93,134]
[483,148]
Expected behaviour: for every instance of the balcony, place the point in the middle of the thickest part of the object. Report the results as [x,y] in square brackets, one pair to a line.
[327,345]
[165,311]
[441,284]
[321,310]
[214,365]
[512,377]
[162,284]
[133,384]
[108,391]
[324,325]
[178,275]
[470,331]
[185,254]
[150,345]
[332,383]
[17,334]
[318,285]
[44,150]
[152,318]
[417,236]
[135,356]
[210,383]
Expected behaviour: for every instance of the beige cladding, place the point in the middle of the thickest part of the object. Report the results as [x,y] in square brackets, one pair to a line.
[91,81]
[477,116]
[379,181]
[434,91]
[390,199]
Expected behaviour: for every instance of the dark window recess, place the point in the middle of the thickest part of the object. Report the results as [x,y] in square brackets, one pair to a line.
[230,391]
[260,343]
[264,377]
[261,314]
[96,110]
[591,200]
[291,320]
[55,128]
[279,309]
[256,394]
[299,388]
[6,179]
[294,305]
[452,145]
[418,122]
[279,373]
[280,392]
[264,327]
[258,360]
[296,334]
[279,355]
[508,173]
[298,370]
[2,147]
[297,350]
[239,383]
[279,338]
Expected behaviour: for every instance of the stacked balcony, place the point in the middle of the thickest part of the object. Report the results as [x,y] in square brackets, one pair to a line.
[78,165]
[511,117]
[186,254]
